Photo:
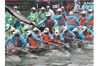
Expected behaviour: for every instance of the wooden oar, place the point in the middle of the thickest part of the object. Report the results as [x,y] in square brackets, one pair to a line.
[19,16]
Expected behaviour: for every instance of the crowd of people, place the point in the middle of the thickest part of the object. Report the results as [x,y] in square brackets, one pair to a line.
[52,25]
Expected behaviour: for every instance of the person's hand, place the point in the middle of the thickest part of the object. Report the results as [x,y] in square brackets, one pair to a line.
[27,45]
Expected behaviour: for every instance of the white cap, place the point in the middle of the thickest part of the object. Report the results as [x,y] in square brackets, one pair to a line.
[47,6]
[16,32]
[65,28]
[12,29]
[46,30]
[83,12]
[15,7]
[33,8]
[26,27]
[80,28]
[35,29]
[62,7]
[75,30]
[28,32]
[88,3]
[92,3]
[71,12]
[7,26]
[57,32]
[48,14]
[42,8]
[85,3]
[59,9]
[90,10]
[84,28]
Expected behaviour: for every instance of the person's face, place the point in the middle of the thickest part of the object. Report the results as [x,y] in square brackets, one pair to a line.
[43,10]
[83,15]
[26,30]
[33,10]
[16,8]
[12,31]
[37,33]
[48,9]
[48,17]
[89,12]
[54,8]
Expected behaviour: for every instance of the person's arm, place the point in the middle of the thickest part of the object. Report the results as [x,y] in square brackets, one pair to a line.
[81,21]
[50,36]
[29,16]
[36,16]
[23,41]
[61,37]
[88,18]
[52,12]
[65,24]
[55,23]
[8,39]
[41,22]
[91,33]
[35,37]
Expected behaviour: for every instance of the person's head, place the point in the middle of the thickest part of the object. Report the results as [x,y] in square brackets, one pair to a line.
[36,30]
[26,28]
[48,15]
[33,9]
[88,3]
[92,3]
[12,29]
[62,7]
[84,3]
[16,33]
[83,13]
[63,29]
[90,11]
[7,26]
[56,32]
[22,23]
[47,8]
[15,7]
[58,11]
[28,33]
[42,9]
[55,7]
[71,13]
[75,30]
[46,30]
[84,28]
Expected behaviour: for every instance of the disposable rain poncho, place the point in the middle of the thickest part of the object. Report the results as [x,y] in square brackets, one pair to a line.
[89,21]
[20,40]
[50,23]
[60,20]
[9,18]
[33,16]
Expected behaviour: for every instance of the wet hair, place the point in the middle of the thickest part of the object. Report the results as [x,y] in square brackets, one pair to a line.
[83,15]
[30,35]
[17,35]
[36,31]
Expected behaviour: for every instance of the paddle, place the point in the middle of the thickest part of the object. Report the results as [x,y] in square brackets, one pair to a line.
[19,16]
